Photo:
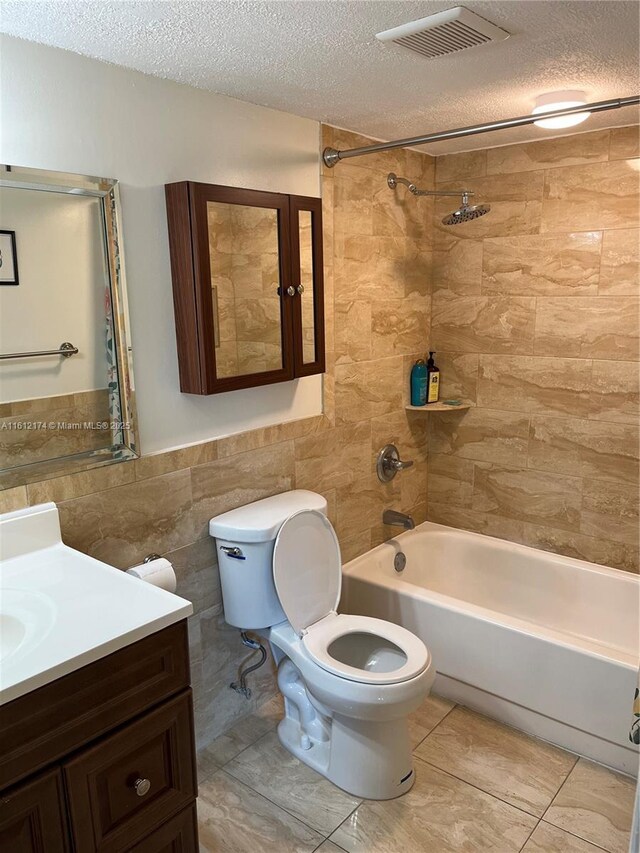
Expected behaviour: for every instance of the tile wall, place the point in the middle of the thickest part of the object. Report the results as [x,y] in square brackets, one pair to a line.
[535,318]
[377,281]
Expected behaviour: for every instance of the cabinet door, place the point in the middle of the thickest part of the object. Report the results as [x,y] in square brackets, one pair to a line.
[124,787]
[307,277]
[178,835]
[231,270]
[32,818]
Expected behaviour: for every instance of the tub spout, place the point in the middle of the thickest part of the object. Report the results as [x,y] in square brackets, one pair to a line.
[398,519]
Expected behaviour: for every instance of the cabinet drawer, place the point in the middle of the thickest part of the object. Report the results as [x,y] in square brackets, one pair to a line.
[32,817]
[178,835]
[46,724]
[123,788]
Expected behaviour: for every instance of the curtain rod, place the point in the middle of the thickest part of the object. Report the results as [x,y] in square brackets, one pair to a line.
[332,156]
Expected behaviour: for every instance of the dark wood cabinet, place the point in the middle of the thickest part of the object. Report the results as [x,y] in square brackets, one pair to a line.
[247,272]
[103,760]
[32,817]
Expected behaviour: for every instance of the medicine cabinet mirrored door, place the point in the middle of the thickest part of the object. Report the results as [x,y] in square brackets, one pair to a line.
[247,285]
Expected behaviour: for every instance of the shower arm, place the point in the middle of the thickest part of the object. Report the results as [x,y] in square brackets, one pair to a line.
[393,180]
[332,156]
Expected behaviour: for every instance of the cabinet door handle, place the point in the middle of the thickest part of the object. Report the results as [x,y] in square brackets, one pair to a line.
[142,787]
[300,289]
[291,291]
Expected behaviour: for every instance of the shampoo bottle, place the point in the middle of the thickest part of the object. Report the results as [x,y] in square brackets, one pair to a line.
[419,383]
[433,380]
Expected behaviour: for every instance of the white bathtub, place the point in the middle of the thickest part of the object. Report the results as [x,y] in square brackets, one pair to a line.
[545,643]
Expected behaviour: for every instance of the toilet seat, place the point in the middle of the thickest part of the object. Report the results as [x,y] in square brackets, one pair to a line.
[319,638]
[307,572]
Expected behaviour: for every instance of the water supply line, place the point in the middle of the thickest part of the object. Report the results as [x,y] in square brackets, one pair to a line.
[332,156]
[240,686]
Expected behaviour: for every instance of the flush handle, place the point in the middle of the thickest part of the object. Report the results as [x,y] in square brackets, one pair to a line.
[234,553]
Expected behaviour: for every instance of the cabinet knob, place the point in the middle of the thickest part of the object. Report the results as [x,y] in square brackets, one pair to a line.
[142,787]
[291,291]
[300,289]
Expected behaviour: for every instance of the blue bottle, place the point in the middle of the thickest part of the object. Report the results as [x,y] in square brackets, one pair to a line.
[419,383]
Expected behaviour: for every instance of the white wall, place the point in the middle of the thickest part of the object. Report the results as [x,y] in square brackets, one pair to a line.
[60,295]
[62,111]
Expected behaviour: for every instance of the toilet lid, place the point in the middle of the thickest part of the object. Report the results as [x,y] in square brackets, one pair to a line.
[307,568]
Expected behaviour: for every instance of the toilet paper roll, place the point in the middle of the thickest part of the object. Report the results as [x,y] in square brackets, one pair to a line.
[157,572]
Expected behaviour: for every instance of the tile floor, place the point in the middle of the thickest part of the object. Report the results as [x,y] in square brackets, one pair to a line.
[480,786]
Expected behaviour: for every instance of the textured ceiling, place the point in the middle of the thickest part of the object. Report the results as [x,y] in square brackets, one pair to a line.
[321,59]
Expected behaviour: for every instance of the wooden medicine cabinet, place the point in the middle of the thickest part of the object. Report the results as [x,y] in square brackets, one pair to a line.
[247,286]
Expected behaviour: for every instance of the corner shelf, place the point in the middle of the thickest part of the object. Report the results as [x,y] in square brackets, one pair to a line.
[442,407]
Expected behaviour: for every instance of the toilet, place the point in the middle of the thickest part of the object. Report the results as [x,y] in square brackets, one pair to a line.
[349,682]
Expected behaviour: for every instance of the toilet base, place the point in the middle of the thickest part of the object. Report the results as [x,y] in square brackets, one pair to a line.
[370,760]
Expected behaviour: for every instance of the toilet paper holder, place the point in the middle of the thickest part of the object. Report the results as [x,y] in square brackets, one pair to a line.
[150,557]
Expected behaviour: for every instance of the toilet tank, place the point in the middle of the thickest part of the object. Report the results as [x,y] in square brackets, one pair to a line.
[245,538]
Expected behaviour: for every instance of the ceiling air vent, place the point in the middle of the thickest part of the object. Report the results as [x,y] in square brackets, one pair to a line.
[445,32]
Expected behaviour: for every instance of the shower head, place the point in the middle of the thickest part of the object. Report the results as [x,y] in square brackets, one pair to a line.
[466,212]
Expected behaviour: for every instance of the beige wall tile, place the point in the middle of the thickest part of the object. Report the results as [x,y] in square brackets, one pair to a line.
[593,549]
[460,167]
[457,267]
[362,502]
[407,430]
[333,458]
[197,576]
[490,324]
[542,265]
[481,434]
[604,327]
[541,385]
[352,210]
[368,389]
[418,266]
[620,267]
[610,509]
[516,206]
[573,150]
[534,496]
[399,326]
[237,480]
[605,451]
[12,499]
[450,480]
[83,483]
[175,460]
[458,375]
[614,391]
[353,546]
[625,142]
[122,525]
[590,198]
[510,529]
[244,441]
[369,267]
[353,331]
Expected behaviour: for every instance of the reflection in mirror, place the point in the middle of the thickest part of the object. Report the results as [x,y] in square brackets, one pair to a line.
[62,411]
[306,280]
[245,281]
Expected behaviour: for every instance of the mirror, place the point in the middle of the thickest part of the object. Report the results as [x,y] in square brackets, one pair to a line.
[245,288]
[66,379]
[305,237]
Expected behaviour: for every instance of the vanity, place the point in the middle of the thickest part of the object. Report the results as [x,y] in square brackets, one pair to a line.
[96,721]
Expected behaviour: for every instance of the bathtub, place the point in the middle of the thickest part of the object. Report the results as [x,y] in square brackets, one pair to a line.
[545,643]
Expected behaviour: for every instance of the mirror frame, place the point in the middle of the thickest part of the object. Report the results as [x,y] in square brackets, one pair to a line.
[124,443]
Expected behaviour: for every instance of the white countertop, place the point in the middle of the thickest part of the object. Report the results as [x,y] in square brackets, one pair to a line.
[61,610]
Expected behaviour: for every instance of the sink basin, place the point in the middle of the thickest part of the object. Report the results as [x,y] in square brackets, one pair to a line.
[60,609]
[26,618]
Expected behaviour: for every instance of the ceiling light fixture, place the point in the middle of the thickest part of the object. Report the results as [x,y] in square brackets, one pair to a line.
[560,101]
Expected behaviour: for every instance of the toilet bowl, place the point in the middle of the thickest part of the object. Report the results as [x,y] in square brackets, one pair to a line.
[349,682]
